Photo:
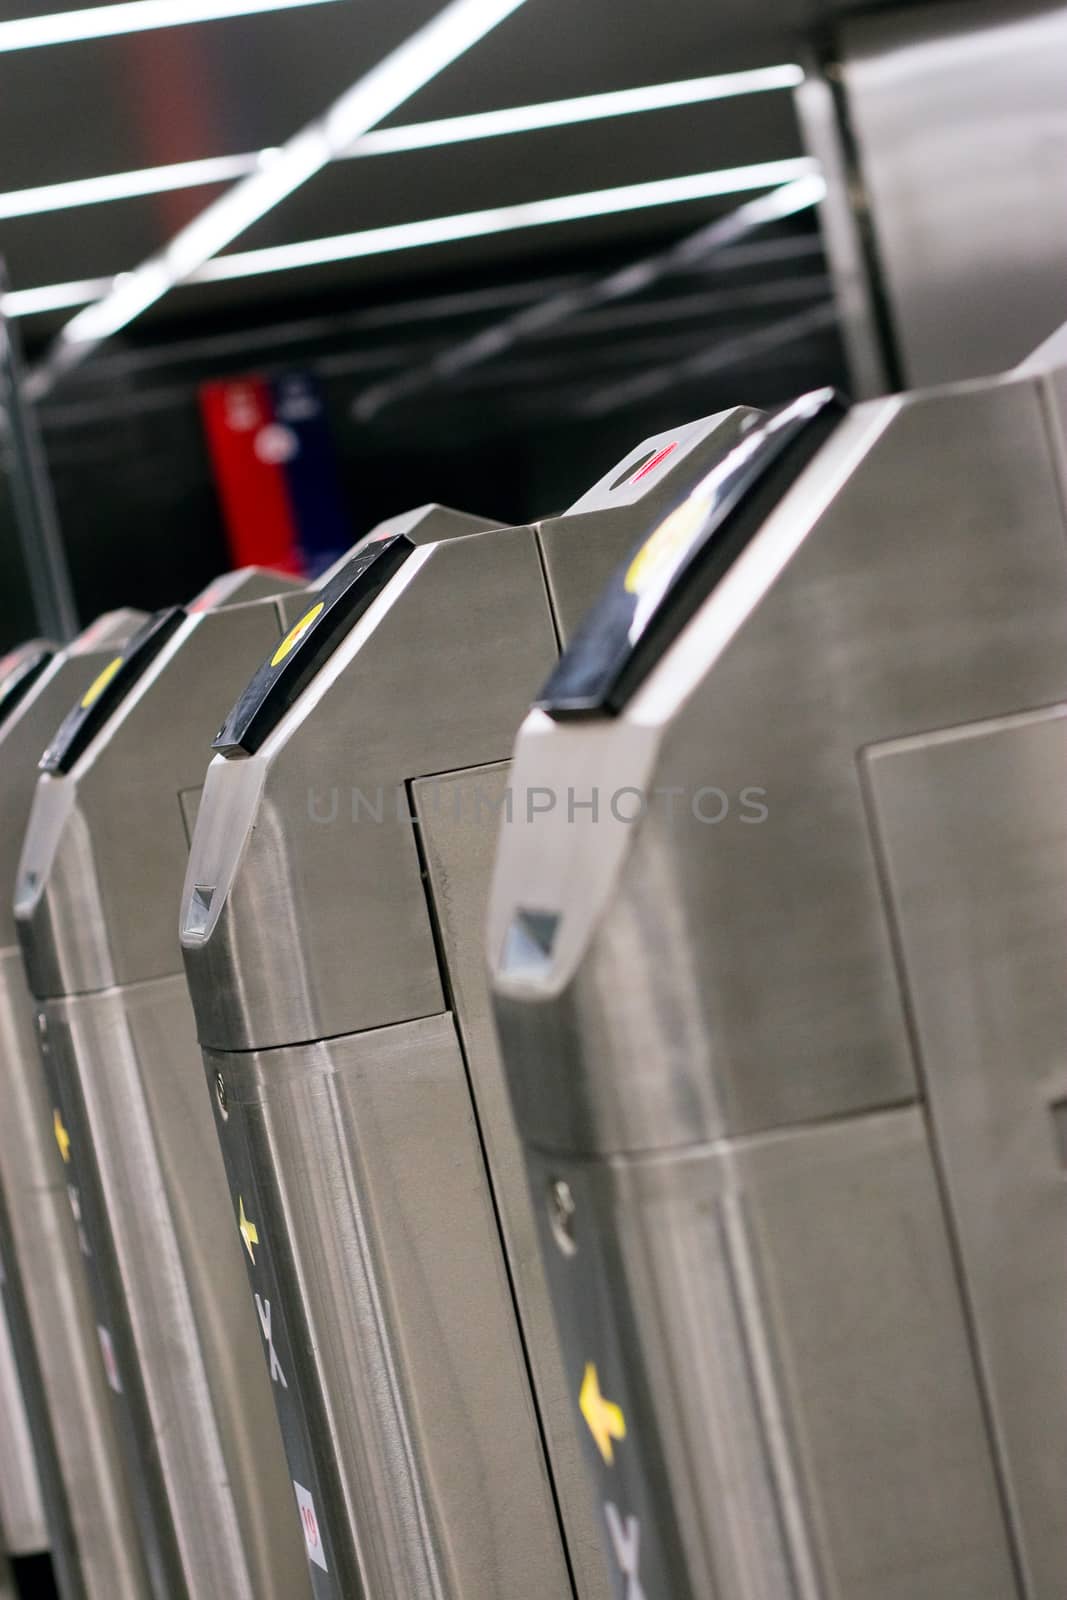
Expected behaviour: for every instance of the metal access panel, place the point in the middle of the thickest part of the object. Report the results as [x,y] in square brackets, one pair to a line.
[774,1336]
[332,929]
[97,893]
[84,1486]
[973,825]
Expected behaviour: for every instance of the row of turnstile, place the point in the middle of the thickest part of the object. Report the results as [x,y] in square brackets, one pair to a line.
[724,1262]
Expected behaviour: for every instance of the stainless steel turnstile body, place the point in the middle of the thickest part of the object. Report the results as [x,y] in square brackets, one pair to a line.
[784,1023]
[331,926]
[97,896]
[84,1487]
[23,1529]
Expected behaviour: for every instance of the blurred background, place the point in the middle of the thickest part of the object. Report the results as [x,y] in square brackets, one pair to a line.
[600,219]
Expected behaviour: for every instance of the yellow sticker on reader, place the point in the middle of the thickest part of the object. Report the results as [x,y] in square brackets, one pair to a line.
[100,683]
[296,633]
[284,676]
[671,540]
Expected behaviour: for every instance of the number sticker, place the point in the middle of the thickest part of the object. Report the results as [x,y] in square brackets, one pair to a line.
[310,1524]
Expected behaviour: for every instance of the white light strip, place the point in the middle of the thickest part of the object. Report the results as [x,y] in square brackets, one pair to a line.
[53,297]
[502,219]
[123,185]
[442,230]
[448,35]
[583,108]
[134,16]
[411,136]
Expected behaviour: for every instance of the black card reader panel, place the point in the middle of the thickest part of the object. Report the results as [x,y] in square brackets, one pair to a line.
[109,689]
[18,674]
[649,600]
[284,676]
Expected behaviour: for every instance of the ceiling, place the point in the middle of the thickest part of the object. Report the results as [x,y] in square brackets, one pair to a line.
[142,100]
[515,434]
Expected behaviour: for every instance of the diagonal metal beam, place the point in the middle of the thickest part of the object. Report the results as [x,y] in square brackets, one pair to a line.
[727,353]
[533,321]
[453,31]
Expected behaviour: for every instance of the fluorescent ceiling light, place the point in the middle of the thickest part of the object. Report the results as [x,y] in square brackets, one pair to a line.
[53,297]
[448,35]
[123,185]
[443,230]
[411,136]
[134,16]
[502,219]
[582,108]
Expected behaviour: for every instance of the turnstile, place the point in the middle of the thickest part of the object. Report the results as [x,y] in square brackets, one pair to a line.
[84,1488]
[23,1530]
[332,932]
[22,1518]
[96,904]
[784,1020]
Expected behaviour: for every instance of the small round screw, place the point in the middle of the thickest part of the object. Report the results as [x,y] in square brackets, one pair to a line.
[561,1209]
[220,1094]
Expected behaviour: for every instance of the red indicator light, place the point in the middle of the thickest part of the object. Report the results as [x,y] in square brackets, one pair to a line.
[650,466]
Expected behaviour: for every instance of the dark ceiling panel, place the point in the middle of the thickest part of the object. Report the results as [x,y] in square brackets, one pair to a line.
[95,241]
[183,94]
[550,49]
[47,8]
[535,249]
[383,190]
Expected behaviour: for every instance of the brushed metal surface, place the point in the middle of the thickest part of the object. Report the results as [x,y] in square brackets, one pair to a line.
[305,919]
[973,823]
[22,1515]
[961,122]
[22,1521]
[105,847]
[190,1388]
[405,1408]
[843,235]
[726,984]
[816,1421]
[915,576]
[458,818]
[94,1542]
[87,1494]
[288,841]
[97,895]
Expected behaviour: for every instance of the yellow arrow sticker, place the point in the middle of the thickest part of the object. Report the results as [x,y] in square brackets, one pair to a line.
[296,633]
[605,1419]
[100,683]
[62,1136]
[249,1232]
